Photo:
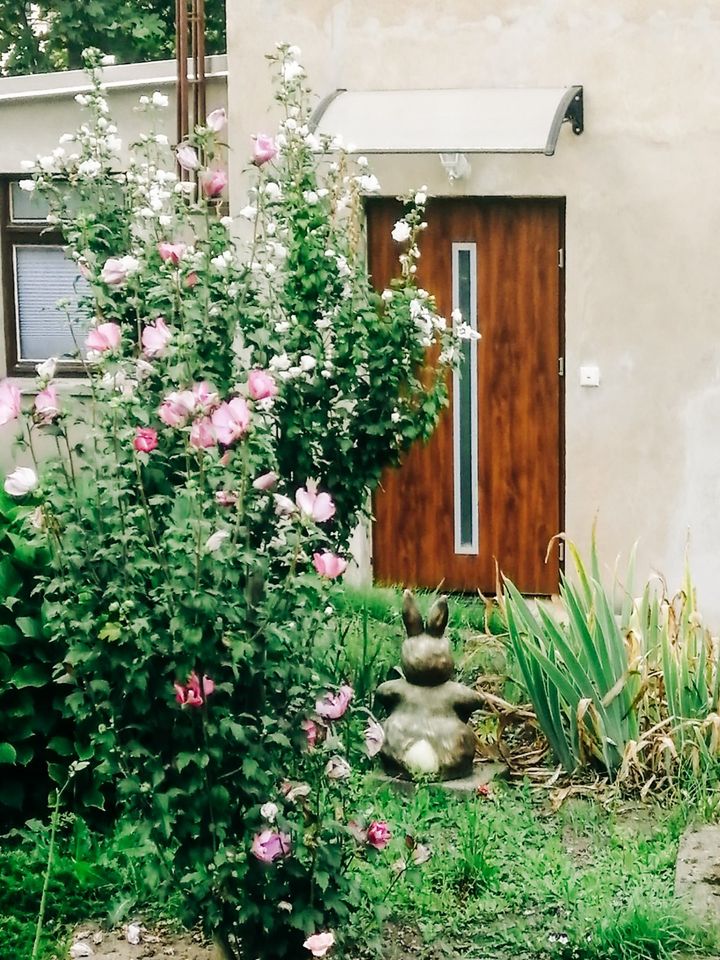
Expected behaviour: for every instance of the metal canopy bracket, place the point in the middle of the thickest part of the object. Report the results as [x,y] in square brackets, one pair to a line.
[498,120]
[572,109]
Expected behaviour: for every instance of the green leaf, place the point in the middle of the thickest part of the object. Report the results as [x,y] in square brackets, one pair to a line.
[30,627]
[25,753]
[31,675]
[8,753]
[23,552]
[58,773]
[9,637]
[92,797]
[10,579]
[183,760]
[251,767]
[61,746]
[111,632]
[84,751]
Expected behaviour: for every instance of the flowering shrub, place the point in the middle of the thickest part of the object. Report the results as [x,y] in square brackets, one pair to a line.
[244,398]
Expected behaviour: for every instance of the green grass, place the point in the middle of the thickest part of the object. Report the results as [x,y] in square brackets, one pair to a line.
[385,604]
[79,887]
[93,877]
[509,880]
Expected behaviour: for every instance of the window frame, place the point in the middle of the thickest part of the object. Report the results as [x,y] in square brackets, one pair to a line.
[22,233]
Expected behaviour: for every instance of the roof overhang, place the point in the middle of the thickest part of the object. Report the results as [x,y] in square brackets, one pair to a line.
[125,76]
[523,120]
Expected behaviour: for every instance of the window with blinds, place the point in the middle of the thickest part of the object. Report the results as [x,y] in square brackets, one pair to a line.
[48,318]
[42,287]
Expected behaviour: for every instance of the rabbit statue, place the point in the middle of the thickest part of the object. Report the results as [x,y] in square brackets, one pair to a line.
[426,732]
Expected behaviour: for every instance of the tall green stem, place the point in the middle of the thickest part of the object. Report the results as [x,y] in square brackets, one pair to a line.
[46,882]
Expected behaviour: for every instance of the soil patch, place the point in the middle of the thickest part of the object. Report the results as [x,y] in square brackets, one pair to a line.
[404,942]
[155,943]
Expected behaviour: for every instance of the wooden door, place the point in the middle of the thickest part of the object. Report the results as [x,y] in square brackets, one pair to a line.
[488,484]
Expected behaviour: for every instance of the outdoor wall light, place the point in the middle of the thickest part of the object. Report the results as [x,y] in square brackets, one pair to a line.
[455,165]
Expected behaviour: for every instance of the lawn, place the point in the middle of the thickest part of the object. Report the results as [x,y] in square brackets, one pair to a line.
[510,878]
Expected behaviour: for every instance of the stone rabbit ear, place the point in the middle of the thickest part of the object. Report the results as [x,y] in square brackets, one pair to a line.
[411,615]
[438,617]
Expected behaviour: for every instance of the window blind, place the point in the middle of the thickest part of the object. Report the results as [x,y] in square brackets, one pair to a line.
[44,275]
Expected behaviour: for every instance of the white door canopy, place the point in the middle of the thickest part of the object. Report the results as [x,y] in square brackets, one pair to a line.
[523,120]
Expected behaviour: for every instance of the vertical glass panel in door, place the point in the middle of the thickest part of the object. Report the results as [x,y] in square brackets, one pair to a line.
[465,412]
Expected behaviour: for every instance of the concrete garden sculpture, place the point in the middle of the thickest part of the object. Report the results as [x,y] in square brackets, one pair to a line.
[426,732]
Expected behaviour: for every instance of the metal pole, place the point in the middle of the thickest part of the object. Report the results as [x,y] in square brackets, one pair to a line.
[181,54]
[199,103]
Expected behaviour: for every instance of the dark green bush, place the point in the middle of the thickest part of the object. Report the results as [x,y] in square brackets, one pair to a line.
[32,733]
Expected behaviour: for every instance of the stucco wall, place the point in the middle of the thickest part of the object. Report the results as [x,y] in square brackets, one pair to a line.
[643,210]
[35,111]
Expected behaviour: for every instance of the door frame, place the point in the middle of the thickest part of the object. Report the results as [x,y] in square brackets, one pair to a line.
[562,399]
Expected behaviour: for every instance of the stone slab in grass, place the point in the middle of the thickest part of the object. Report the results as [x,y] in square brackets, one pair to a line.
[481,776]
[697,872]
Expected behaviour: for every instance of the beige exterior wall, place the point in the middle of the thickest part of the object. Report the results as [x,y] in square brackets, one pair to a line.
[643,215]
[35,111]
